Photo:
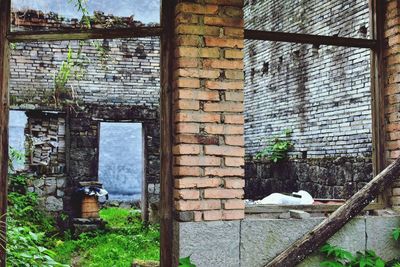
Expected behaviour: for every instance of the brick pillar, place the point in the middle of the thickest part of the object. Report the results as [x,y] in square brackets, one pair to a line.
[209,144]
[392,90]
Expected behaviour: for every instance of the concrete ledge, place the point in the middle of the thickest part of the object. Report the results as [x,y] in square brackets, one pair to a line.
[210,243]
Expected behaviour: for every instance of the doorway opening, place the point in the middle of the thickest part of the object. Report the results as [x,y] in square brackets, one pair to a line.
[121,161]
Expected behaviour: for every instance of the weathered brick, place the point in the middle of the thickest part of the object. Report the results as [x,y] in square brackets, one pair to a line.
[206,204]
[186,194]
[219,21]
[234,183]
[189,83]
[193,8]
[231,11]
[223,42]
[186,171]
[224,172]
[186,149]
[212,215]
[234,96]
[234,53]
[187,18]
[234,74]
[186,63]
[234,119]
[234,140]
[188,104]
[224,151]
[221,193]
[187,128]
[203,139]
[197,52]
[197,117]
[223,129]
[234,161]
[198,30]
[198,73]
[233,214]
[234,32]
[197,161]
[223,64]
[199,182]
[224,106]
[198,95]
[234,204]
[216,85]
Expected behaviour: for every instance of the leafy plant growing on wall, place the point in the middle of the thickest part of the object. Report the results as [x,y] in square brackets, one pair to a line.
[276,149]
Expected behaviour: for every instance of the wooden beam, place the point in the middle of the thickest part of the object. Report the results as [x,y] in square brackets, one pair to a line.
[314,239]
[167,180]
[4,73]
[309,39]
[377,84]
[73,34]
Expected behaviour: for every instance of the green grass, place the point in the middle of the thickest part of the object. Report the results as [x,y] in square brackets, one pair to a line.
[126,238]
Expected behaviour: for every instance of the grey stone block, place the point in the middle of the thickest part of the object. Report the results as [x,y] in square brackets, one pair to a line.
[263,239]
[210,244]
[54,204]
[379,237]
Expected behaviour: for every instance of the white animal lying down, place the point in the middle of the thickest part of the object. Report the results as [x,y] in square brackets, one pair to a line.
[302,197]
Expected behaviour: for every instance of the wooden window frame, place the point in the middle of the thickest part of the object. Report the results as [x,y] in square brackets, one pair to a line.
[376,18]
[166,34]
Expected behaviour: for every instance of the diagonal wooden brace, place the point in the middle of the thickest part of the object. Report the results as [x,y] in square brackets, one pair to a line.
[314,239]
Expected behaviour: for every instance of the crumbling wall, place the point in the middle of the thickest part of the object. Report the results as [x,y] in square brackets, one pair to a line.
[321,93]
[119,71]
[83,159]
[114,80]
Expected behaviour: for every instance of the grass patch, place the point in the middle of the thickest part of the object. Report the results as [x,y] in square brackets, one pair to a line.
[33,239]
[125,239]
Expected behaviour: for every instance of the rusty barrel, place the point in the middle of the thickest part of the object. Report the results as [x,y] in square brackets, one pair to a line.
[90,207]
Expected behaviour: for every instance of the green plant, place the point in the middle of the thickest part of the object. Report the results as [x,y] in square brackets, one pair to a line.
[14,155]
[81,5]
[396,234]
[186,262]
[24,249]
[29,229]
[277,149]
[339,257]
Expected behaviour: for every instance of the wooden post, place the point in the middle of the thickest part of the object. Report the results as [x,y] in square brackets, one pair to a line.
[167,182]
[4,73]
[306,245]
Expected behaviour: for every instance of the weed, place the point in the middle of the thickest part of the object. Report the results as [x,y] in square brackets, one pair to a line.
[277,149]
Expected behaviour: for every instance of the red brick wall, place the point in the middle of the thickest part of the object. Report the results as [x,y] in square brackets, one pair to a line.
[392,89]
[208,109]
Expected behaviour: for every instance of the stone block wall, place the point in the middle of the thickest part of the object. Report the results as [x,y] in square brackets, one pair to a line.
[51,191]
[322,93]
[208,111]
[337,178]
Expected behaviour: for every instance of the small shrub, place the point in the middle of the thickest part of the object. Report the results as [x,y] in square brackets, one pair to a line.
[277,149]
